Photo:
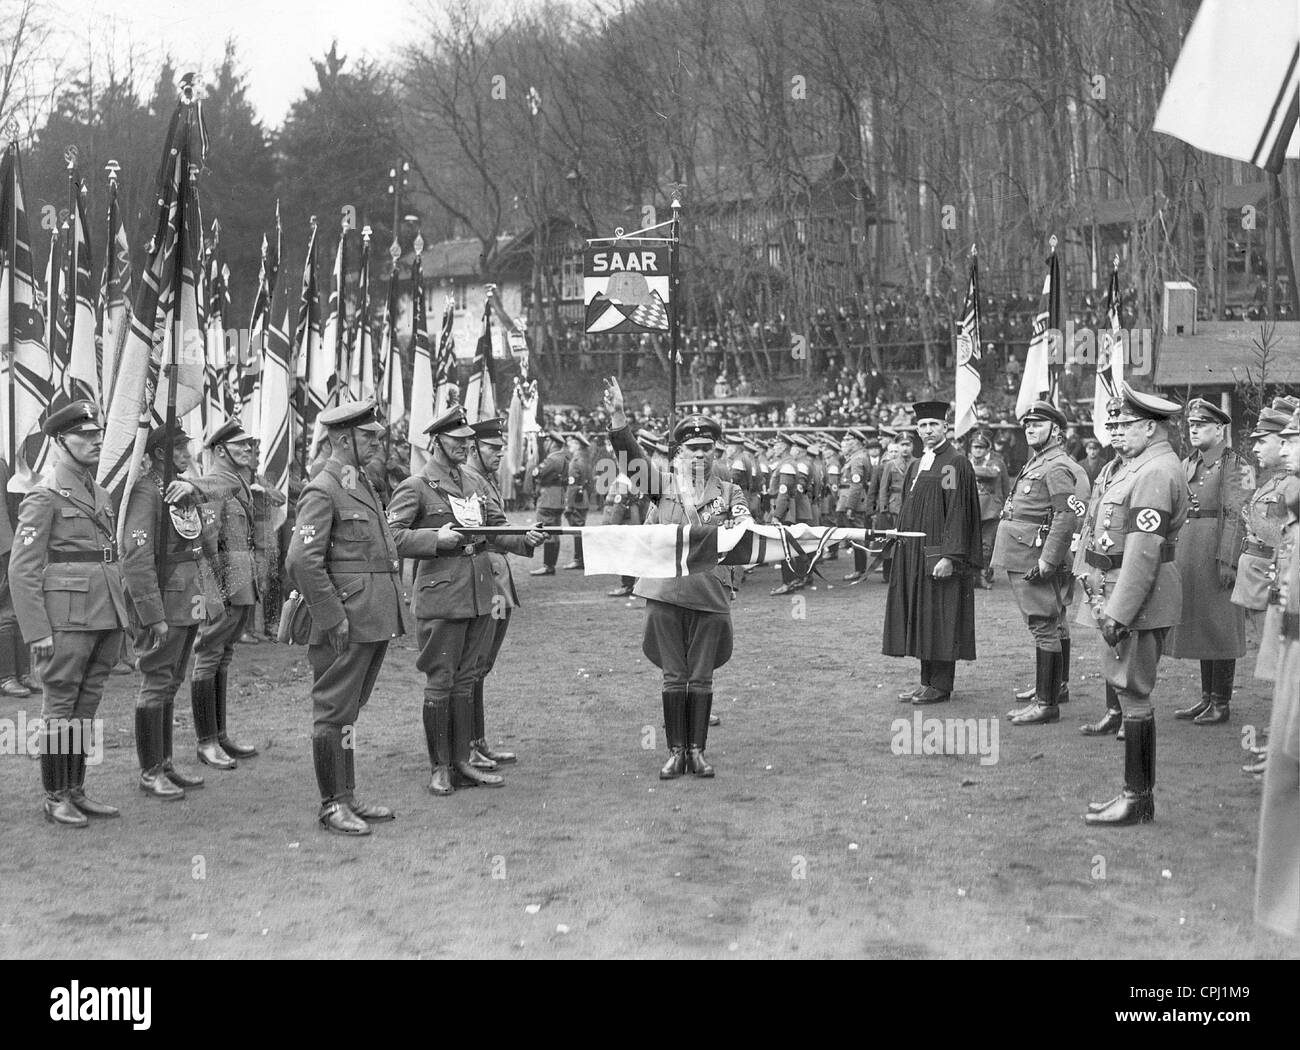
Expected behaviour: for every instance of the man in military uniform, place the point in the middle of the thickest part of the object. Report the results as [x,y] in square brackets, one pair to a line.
[577,491]
[792,504]
[164,565]
[454,594]
[230,518]
[1259,567]
[484,461]
[1212,629]
[1277,870]
[550,479]
[688,632]
[930,607]
[344,562]
[1038,525]
[851,497]
[994,486]
[68,594]
[888,502]
[1133,588]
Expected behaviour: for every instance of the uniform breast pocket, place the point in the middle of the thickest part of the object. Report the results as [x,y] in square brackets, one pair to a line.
[354,526]
[65,600]
[75,524]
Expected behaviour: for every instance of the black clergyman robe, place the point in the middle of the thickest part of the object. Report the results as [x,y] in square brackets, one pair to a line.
[927,618]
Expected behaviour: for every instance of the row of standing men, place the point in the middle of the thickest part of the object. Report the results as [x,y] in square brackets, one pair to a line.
[184,583]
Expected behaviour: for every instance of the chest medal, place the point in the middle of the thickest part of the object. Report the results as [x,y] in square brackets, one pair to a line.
[467,511]
[186,521]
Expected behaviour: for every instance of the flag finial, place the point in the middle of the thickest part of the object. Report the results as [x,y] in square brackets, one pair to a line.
[187,89]
[70,157]
[1115,263]
[1052,242]
[973,251]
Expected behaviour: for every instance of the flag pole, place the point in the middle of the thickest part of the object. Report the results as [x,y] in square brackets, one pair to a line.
[1054,324]
[188,172]
[674,315]
[11,259]
[70,278]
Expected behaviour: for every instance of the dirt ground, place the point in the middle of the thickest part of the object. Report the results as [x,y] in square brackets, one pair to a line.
[815,840]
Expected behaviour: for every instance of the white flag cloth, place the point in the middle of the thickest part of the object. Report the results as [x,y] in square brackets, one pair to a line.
[1233,90]
[661,552]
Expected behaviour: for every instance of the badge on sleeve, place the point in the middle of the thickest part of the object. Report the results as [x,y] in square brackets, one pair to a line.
[307,532]
[140,536]
[28,534]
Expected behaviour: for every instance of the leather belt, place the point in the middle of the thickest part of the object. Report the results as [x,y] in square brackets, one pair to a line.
[106,556]
[1035,519]
[1260,550]
[365,565]
[184,554]
[465,550]
[1202,514]
[1114,561]
[1291,626]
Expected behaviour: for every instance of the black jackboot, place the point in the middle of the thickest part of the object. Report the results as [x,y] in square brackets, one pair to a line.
[481,756]
[1207,686]
[331,777]
[1044,708]
[1062,691]
[183,780]
[1222,673]
[698,705]
[55,778]
[1111,721]
[1137,803]
[149,749]
[437,737]
[675,731]
[371,814]
[229,746]
[462,726]
[203,697]
[77,778]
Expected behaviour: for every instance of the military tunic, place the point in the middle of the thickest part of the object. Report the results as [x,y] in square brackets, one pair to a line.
[184,600]
[66,583]
[345,563]
[1126,563]
[454,596]
[1038,523]
[229,521]
[1212,627]
[688,620]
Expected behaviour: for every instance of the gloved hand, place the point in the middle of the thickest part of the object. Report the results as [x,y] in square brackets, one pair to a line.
[1227,577]
[1112,631]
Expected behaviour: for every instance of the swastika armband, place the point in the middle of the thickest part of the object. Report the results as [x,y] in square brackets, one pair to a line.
[1150,520]
[1068,501]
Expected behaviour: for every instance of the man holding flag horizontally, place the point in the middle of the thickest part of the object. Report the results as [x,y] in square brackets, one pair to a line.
[1045,345]
[688,632]
[968,353]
